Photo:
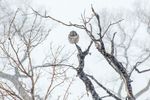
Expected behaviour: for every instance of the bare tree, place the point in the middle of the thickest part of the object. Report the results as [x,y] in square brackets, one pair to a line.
[21,33]
[118,57]
[21,77]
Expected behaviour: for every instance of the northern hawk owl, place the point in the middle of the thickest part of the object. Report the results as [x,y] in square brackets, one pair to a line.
[73,37]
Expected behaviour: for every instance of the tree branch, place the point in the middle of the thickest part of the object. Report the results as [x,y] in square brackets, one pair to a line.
[143,90]
[17,85]
[110,93]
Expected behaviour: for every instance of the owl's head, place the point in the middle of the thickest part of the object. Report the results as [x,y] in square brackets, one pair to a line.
[73,33]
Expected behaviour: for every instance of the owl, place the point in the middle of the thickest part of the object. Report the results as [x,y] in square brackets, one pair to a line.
[73,37]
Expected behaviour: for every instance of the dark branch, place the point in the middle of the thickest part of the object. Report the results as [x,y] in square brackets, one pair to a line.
[110,93]
[111,24]
[135,67]
[45,16]
[143,90]
[98,20]
[143,71]
[80,72]
[112,44]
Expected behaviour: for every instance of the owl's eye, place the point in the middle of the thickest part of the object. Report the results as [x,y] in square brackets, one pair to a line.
[74,33]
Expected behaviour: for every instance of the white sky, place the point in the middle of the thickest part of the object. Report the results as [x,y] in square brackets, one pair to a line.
[71,9]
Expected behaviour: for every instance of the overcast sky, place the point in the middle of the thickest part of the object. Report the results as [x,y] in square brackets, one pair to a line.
[71,10]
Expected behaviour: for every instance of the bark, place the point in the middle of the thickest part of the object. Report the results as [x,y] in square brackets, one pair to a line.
[89,86]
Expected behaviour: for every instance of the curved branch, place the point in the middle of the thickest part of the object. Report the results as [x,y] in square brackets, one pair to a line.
[143,90]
